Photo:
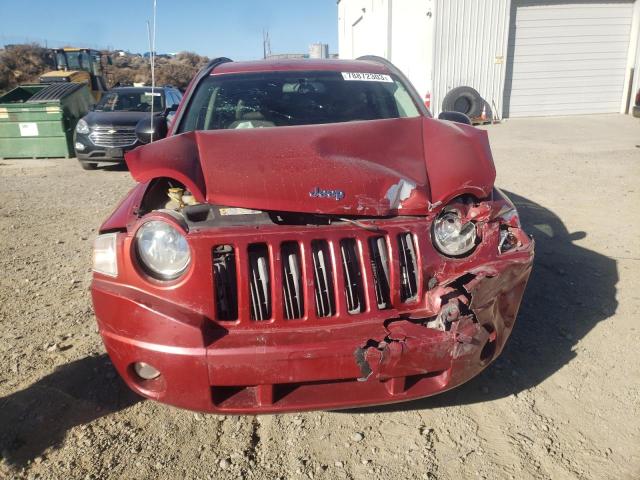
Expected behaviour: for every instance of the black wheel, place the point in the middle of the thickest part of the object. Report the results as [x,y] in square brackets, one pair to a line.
[88,166]
[464,100]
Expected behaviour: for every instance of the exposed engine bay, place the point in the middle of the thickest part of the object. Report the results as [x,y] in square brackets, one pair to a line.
[168,194]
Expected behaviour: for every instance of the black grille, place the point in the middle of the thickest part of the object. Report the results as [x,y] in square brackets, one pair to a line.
[408,268]
[292,287]
[380,268]
[323,279]
[352,276]
[259,282]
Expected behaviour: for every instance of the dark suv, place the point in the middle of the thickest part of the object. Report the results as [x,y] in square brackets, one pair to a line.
[107,132]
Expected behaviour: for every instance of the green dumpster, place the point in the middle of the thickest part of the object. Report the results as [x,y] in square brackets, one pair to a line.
[37,120]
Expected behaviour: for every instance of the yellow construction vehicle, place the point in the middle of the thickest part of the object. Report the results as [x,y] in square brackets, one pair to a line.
[80,65]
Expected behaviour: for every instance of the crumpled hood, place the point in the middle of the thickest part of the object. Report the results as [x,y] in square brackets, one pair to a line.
[365,168]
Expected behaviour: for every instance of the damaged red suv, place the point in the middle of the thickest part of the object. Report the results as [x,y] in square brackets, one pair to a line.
[307,237]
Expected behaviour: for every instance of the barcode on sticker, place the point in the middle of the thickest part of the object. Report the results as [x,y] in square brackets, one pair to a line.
[367,77]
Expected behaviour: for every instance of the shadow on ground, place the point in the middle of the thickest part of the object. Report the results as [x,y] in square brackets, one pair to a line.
[38,417]
[113,167]
[570,290]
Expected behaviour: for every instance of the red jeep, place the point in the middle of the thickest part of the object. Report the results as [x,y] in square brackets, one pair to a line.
[307,237]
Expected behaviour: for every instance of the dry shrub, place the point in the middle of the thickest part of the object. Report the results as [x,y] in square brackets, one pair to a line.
[25,63]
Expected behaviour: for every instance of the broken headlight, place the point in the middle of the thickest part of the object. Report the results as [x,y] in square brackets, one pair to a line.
[162,250]
[452,235]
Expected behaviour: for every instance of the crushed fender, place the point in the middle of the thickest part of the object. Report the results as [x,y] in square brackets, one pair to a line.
[419,345]
[468,312]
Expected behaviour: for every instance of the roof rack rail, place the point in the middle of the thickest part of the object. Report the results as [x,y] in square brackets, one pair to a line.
[396,71]
[215,62]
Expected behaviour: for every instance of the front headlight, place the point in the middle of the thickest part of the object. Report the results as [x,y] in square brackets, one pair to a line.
[162,250]
[82,127]
[451,235]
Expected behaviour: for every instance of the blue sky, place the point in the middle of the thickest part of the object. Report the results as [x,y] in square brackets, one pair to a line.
[232,28]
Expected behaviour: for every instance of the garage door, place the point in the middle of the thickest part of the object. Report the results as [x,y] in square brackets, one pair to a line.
[566,58]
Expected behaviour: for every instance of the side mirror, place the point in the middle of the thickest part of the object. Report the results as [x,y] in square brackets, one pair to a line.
[455,117]
[171,110]
[148,127]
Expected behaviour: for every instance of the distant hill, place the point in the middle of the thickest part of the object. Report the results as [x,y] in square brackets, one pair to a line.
[25,63]
[177,70]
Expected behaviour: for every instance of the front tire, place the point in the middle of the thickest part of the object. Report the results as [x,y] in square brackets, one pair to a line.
[88,166]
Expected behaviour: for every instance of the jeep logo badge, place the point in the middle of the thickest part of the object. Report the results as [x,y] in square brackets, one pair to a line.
[323,193]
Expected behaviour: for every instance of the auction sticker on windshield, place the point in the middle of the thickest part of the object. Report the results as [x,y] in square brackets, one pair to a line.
[367,77]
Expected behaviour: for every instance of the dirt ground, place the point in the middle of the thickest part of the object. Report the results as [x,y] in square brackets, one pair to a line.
[563,401]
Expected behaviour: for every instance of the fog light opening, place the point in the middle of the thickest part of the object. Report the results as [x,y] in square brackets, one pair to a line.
[145,371]
[79,146]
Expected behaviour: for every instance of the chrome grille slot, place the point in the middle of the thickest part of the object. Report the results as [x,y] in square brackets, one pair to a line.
[226,282]
[408,268]
[113,136]
[380,270]
[292,286]
[352,276]
[259,282]
[323,279]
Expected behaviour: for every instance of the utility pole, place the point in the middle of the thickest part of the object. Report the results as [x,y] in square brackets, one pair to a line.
[152,61]
[266,44]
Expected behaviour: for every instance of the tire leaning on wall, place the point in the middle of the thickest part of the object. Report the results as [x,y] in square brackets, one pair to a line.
[465,100]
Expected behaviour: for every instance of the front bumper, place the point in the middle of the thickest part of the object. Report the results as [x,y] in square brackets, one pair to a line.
[375,357]
[636,111]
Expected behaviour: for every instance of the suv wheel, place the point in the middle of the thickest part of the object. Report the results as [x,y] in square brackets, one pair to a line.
[88,166]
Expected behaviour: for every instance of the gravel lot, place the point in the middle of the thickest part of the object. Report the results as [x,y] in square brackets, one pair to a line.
[563,401]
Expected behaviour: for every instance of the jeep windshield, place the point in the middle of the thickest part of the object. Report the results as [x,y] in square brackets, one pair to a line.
[131,101]
[274,99]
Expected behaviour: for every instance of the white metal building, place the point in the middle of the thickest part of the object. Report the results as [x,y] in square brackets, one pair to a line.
[524,57]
